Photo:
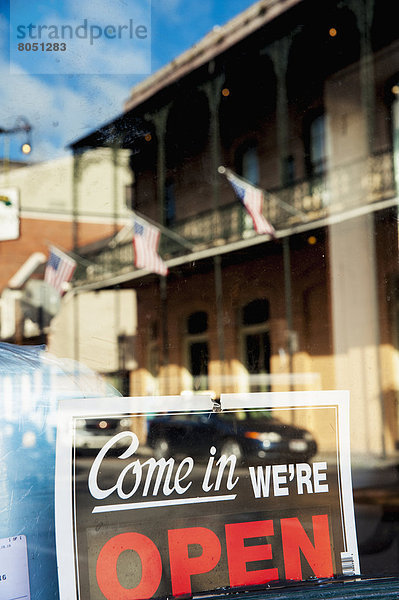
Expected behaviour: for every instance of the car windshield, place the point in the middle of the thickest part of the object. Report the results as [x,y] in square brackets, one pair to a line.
[246,415]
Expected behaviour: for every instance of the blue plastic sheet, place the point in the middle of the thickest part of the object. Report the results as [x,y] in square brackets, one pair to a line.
[31,384]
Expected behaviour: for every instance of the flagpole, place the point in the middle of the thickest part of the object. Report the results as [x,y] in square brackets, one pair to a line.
[291,209]
[71,254]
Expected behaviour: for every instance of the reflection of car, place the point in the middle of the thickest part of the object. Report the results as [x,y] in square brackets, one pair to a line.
[248,435]
[92,434]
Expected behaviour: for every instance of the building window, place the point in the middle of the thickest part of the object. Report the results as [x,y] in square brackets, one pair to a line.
[198,349]
[197,323]
[247,162]
[256,344]
[247,165]
[130,196]
[315,140]
[288,170]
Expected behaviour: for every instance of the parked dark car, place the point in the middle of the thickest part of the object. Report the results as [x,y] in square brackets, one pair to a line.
[92,434]
[249,435]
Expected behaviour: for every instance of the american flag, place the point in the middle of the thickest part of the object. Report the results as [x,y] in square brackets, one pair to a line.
[59,269]
[146,242]
[252,198]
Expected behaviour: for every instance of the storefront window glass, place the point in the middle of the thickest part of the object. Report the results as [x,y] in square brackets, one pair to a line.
[217,222]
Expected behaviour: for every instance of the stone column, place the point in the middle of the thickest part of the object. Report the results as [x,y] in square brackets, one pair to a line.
[364,13]
[160,120]
[352,254]
[213,91]
[279,53]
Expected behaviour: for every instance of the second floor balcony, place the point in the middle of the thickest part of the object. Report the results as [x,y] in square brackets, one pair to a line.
[341,190]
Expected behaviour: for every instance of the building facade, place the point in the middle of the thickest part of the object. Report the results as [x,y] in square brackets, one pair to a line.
[53,202]
[301,99]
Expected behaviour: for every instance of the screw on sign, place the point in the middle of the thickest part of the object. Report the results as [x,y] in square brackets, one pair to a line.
[294,542]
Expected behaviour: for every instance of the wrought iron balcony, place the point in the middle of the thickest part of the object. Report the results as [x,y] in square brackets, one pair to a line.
[341,189]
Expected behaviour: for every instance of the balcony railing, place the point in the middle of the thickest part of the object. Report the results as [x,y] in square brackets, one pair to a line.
[342,188]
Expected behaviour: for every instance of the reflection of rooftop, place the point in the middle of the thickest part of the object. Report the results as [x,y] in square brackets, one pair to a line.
[216,41]
[13,164]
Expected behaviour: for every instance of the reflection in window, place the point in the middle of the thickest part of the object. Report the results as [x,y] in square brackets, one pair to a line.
[197,322]
[247,165]
[170,203]
[289,170]
[153,349]
[317,151]
[199,358]
[153,360]
[256,344]
[198,349]
[120,381]
[255,312]
[395,130]
[250,165]
[130,196]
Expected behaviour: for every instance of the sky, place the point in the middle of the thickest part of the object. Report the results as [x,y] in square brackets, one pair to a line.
[64,107]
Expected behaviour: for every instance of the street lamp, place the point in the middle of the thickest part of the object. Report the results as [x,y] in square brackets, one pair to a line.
[21,125]
[26,148]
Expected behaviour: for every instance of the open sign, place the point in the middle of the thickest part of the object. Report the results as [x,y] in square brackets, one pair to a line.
[292,541]
[200,518]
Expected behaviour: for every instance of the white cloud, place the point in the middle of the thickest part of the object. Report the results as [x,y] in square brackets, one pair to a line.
[105,12]
[60,108]
[64,108]
[58,113]
[170,6]
[190,12]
